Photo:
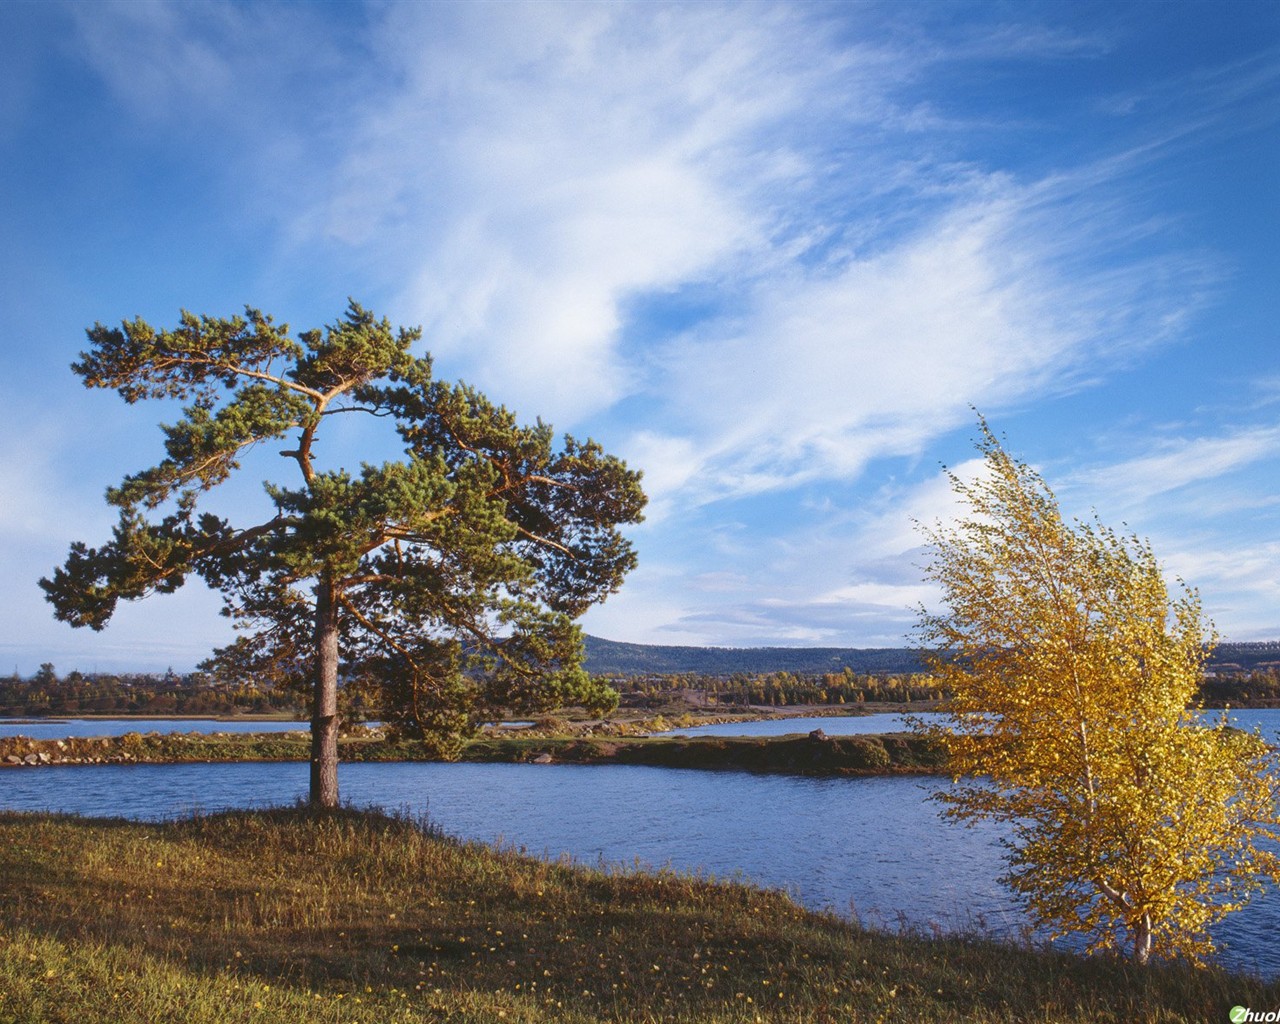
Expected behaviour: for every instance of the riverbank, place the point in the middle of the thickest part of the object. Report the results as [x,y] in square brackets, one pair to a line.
[277,917]
[807,754]
[811,754]
[108,717]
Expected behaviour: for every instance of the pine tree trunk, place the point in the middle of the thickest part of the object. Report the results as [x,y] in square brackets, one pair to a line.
[324,720]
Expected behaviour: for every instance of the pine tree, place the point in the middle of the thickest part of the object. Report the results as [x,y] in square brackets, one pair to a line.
[448,580]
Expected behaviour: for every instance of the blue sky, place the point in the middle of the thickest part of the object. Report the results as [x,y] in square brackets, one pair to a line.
[772,254]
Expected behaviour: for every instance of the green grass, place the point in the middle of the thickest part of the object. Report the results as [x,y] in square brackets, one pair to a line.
[291,916]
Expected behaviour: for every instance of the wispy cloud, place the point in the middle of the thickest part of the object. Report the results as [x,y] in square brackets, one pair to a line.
[836,575]
[861,280]
[1173,464]
[155,55]
[528,173]
[537,166]
[533,173]
[762,248]
[1237,582]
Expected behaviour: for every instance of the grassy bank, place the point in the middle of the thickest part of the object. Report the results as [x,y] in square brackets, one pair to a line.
[794,755]
[285,916]
[804,755]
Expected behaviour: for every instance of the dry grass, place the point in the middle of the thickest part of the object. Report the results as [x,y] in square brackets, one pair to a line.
[289,916]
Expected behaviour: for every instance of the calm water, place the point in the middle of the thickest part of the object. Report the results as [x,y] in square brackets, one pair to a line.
[64,728]
[874,846]
[1267,720]
[844,725]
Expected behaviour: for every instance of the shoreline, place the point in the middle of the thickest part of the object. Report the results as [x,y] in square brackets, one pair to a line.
[653,741]
[792,754]
[120,717]
[684,717]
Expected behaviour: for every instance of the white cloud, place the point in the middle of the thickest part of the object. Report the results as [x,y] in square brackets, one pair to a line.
[51,472]
[154,54]
[1175,464]
[1237,583]
[887,597]
[669,464]
[1210,507]
[882,355]
[541,164]
[840,575]
[531,170]
[520,177]
[28,487]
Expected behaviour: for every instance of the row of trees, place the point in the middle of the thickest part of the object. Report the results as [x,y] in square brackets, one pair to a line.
[200,693]
[195,693]
[783,689]
[1261,687]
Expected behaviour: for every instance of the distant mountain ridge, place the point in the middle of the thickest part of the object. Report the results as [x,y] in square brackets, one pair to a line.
[610,657]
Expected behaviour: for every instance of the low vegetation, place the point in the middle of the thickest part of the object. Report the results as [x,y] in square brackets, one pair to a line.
[796,755]
[357,917]
[792,755]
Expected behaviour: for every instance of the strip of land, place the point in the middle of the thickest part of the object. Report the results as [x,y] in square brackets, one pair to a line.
[803,754]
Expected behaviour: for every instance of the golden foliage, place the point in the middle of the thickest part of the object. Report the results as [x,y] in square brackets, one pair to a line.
[1074,674]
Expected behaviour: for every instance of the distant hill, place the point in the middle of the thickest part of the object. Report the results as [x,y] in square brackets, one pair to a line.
[609,657]
[1246,657]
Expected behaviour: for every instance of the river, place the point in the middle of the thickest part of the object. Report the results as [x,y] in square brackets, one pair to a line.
[64,728]
[1265,720]
[872,847]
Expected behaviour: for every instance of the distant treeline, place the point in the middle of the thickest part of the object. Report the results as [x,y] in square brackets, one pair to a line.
[783,689]
[198,693]
[194,694]
[776,689]
[1257,689]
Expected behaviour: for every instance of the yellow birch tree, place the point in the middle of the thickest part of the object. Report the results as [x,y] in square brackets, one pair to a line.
[1074,675]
